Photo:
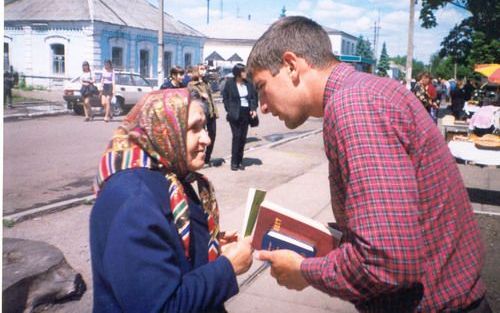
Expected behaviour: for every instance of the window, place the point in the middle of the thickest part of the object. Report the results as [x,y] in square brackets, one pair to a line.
[167,63]
[342,49]
[117,57]
[144,62]
[6,61]
[57,55]
[140,81]
[187,60]
[124,79]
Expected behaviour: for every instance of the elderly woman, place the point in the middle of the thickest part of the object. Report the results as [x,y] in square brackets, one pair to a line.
[155,242]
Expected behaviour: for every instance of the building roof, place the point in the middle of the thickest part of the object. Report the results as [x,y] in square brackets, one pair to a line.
[214,56]
[333,31]
[235,58]
[132,13]
[239,29]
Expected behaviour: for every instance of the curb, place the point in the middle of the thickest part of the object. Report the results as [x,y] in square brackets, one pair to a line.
[46,209]
[12,219]
[18,116]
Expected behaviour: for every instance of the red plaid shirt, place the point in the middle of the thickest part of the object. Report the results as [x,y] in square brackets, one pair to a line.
[411,241]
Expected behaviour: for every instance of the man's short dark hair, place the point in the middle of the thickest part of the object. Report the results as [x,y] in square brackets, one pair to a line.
[297,34]
[176,70]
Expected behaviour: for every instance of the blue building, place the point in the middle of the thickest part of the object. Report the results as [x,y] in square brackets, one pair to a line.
[47,41]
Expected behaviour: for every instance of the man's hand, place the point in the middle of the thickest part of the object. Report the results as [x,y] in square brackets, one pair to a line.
[285,267]
[253,114]
[239,254]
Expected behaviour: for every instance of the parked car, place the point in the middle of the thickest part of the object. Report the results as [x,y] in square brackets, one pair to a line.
[129,88]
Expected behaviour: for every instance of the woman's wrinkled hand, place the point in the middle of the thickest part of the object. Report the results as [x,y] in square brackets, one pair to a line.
[239,253]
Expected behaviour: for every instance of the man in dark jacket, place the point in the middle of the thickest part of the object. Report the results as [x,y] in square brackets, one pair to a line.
[8,84]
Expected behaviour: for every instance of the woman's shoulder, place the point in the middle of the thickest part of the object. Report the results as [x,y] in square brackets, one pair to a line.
[128,184]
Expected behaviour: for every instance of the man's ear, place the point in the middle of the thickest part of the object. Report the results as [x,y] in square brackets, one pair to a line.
[290,62]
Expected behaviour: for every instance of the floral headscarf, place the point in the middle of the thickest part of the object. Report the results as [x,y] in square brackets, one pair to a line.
[153,135]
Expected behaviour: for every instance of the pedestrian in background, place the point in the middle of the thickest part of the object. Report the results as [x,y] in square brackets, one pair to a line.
[426,94]
[87,90]
[188,76]
[410,239]
[240,103]
[199,88]
[175,78]
[8,84]
[108,84]
[155,242]
[458,96]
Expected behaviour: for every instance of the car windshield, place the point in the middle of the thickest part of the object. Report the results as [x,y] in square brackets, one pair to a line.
[139,81]
[124,79]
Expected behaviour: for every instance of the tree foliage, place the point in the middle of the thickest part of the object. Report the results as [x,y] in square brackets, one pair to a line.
[383,62]
[417,67]
[363,48]
[485,14]
[445,68]
[475,39]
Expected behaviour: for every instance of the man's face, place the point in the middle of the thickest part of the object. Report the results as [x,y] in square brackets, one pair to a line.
[280,96]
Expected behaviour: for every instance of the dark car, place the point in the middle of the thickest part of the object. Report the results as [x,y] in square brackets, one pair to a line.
[129,88]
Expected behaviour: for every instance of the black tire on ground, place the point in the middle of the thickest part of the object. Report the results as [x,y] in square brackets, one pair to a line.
[78,109]
[118,108]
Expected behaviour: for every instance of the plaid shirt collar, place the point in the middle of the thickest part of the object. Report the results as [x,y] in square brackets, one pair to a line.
[336,80]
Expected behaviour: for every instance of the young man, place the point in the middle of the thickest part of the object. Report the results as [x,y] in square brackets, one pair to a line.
[410,239]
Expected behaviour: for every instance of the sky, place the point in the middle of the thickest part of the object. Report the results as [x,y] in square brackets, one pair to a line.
[353,17]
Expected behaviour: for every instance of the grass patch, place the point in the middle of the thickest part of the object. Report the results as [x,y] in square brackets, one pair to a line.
[8,223]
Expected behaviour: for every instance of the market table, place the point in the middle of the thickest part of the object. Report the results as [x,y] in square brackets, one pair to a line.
[467,151]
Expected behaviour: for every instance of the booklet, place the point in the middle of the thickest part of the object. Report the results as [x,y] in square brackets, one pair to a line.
[280,228]
[254,199]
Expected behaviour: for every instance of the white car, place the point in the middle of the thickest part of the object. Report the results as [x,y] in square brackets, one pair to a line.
[129,88]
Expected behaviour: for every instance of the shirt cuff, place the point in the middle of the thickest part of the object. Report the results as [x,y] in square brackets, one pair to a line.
[312,269]
[224,269]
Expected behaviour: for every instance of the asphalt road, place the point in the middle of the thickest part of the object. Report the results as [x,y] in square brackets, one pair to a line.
[54,158]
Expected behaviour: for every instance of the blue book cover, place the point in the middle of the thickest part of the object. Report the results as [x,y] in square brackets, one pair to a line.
[273,240]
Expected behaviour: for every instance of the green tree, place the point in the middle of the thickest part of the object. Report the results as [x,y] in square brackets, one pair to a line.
[475,39]
[418,66]
[445,68]
[363,48]
[383,62]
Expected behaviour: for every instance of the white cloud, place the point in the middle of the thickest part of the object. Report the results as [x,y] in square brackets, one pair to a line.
[304,5]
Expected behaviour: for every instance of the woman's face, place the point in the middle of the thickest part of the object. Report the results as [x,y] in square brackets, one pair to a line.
[86,68]
[197,138]
[107,66]
[177,77]
[243,74]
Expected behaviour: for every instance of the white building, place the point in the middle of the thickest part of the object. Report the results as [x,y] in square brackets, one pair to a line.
[47,41]
[229,36]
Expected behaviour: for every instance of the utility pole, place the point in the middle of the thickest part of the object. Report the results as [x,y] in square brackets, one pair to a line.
[409,54]
[161,75]
[376,32]
[208,12]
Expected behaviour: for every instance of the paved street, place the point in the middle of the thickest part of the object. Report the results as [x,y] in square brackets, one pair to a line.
[53,158]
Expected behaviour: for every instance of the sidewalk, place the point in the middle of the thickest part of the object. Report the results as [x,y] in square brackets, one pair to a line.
[289,172]
[38,103]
